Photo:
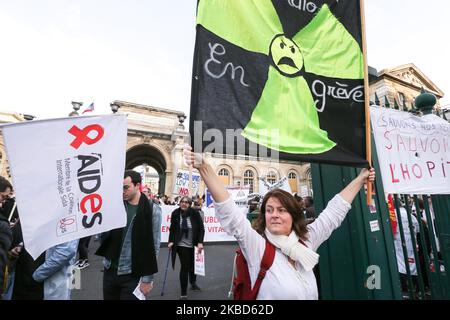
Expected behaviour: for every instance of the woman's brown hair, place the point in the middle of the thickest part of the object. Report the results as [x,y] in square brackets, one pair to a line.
[291,205]
[186,198]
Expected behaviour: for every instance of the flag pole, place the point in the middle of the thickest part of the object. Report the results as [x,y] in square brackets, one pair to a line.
[366,98]
[190,182]
[190,175]
[12,211]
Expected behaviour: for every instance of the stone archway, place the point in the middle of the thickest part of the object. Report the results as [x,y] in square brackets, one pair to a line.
[151,156]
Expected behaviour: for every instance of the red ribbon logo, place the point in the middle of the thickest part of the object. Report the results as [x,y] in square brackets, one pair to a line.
[82,136]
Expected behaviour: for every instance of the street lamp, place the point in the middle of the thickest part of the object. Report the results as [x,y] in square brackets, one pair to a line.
[446,114]
[28,117]
[114,107]
[425,102]
[76,105]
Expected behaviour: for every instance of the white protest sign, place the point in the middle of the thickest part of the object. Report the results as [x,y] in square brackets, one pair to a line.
[199,262]
[413,152]
[213,230]
[265,187]
[239,194]
[68,176]
[304,191]
[182,183]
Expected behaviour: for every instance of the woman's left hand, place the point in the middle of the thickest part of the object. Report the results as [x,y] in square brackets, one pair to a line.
[200,247]
[349,193]
[367,174]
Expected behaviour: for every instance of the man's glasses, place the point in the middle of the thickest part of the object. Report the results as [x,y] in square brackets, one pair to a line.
[184,201]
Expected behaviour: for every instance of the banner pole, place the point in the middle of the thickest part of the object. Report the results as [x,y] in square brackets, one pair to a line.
[366,99]
[190,182]
[190,176]
[12,211]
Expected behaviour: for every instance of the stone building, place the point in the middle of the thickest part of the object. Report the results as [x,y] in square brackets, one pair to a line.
[401,85]
[156,138]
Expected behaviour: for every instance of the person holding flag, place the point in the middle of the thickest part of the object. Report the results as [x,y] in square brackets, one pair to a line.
[282,225]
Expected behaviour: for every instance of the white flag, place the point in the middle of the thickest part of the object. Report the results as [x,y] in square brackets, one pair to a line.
[68,177]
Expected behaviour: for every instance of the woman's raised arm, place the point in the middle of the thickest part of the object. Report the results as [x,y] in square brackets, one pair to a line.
[212,181]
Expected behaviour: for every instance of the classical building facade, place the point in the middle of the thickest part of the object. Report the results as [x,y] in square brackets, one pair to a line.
[156,138]
[401,85]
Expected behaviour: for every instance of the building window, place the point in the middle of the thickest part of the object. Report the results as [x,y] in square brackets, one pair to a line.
[249,179]
[293,183]
[271,177]
[224,176]
[402,99]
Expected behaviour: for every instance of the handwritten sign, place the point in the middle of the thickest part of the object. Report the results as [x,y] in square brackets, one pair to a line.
[182,183]
[219,50]
[414,152]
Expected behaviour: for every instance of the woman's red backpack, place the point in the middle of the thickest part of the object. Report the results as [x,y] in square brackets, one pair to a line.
[242,286]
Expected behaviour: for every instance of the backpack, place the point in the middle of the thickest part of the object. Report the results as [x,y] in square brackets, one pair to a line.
[242,289]
[241,285]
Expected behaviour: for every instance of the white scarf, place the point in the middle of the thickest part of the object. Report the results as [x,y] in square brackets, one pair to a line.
[291,247]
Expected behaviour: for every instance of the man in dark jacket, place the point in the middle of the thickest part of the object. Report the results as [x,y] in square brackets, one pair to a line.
[130,252]
[5,232]
[309,209]
[186,232]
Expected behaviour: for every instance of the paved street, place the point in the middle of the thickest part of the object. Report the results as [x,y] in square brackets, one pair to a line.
[215,286]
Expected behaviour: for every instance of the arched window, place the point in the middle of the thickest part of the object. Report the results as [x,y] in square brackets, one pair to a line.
[293,182]
[271,177]
[224,176]
[249,179]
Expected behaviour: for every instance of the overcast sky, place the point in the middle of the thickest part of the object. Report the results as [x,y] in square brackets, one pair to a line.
[56,51]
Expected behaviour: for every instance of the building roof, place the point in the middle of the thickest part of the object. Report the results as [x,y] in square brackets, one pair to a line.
[410,75]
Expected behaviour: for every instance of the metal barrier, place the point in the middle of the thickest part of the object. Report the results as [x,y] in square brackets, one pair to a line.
[425,274]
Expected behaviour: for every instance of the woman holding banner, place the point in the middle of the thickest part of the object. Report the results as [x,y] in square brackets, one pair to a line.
[186,232]
[281,224]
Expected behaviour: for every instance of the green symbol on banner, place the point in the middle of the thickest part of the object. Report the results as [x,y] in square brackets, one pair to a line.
[286,118]
[286,56]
